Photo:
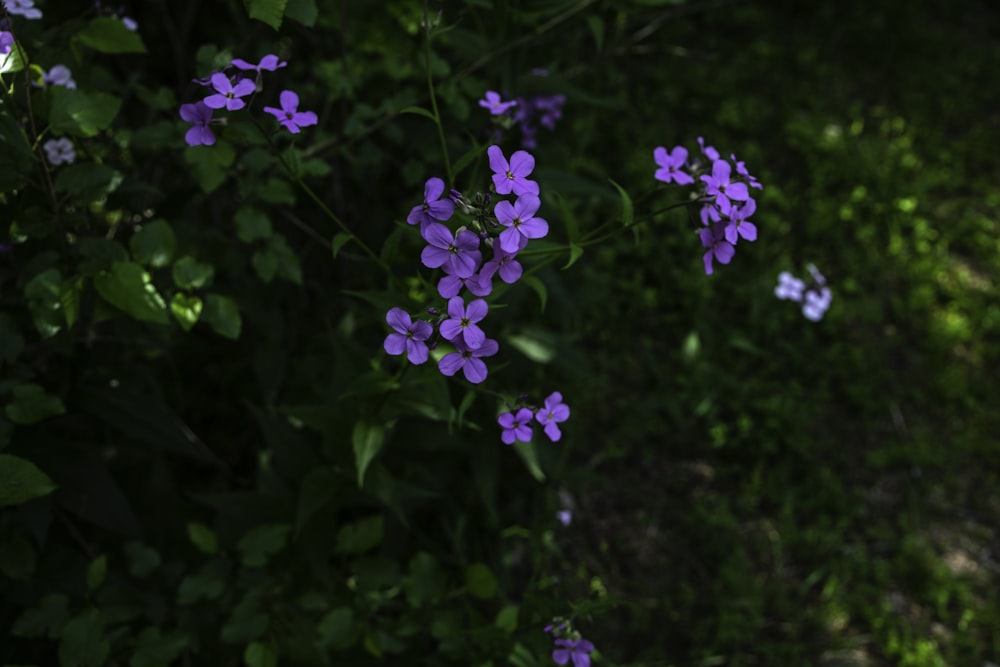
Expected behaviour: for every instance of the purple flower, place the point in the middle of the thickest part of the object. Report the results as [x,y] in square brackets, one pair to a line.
[130,24]
[227,95]
[59,76]
[718,184]
[671,165]
[409,336]
[708,151]
[462,321]
[289,115]
[468,360]
[576,649]
[516,426]
[25,8]
[434,207]
[718,247]
[741,169]
[59,151]
[552,414]
[709,214]
[565,517]
[270,62]
[201,115]
[789,287]
[512,176]
[6,42]
[739,226]
[493,102]
[520,221]
[503,263]
[816,303]
[450,286]
[459,255]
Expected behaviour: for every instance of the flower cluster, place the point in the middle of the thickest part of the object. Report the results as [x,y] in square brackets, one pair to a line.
[724,195]
[459,254]
[527,112]
[814,297]
[228,91]
[569,645]
[516,424]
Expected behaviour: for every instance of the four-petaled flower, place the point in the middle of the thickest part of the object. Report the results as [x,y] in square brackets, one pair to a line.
[496,105]
[227,95]
[459,255]
[450,286]
[504,264]
[718,247]
[201,115]
[516,426]
[520,222]
[554,412]
[512,176]
[409,336]
[434,207]
[59,151]
[789,287]
[25,8]
[462,321]
[739,226]
[672,165]
[289,115]
[468,360]
[816,303]
[718,184]
[59,75]
[576,649]
[270,62]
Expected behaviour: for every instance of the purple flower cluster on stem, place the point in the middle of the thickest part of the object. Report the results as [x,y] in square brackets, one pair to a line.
[516,424]
[569,646]
[815,296]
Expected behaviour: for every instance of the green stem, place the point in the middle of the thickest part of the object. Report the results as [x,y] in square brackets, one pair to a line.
[433,96]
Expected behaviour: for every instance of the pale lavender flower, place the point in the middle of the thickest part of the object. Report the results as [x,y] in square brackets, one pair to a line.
[6,42]
[495,104]
[516,426]
[130,24]
[789,287]
[672,165]
[289,115]
[816,303]
[25,8]
[467,360]
[512,176]
[565,517]
[409,336]
[59,151]
[59,75]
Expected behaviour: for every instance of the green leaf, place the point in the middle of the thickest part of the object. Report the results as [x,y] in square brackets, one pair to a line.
[32,404]
[17,558]
[155,650]
[277,259]
[88,182]
[539,288]
[303,11]
[419,111]
[100,254]
[14,60]
[96,572]
[44,302]
[480,581]
[186,309]
[268,11]
[425,582]
[142,560]
[247,622]
[339,241]
[83,643]
[528,454]
[263,542]
[69,297]
[260,655]
[80,113]
[129,288]
[203,538]
[360,536]
[507,618]
[190,274]
[252,224]
[154,244]
[210,163]
[207,583]
[367,438]
[575,252]
[336,629]
[628,212]
[222,314]
[109,35]
[48,618]
[538,345]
